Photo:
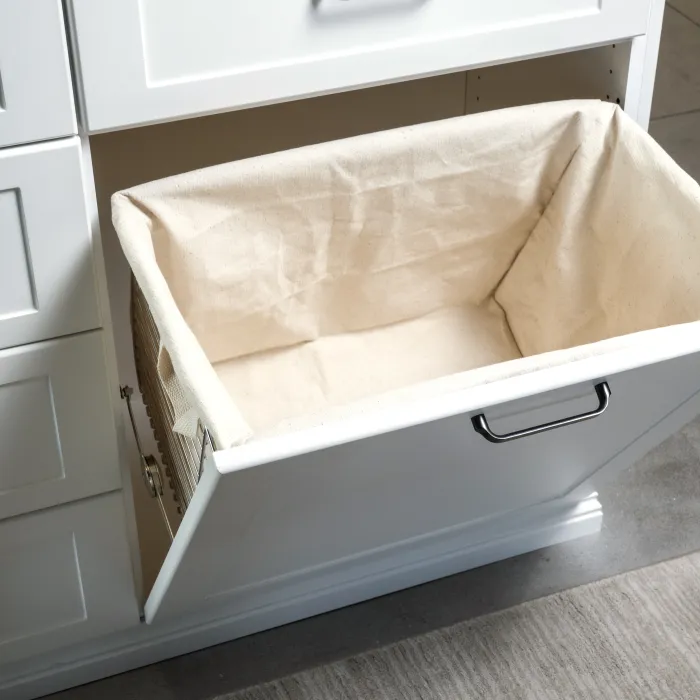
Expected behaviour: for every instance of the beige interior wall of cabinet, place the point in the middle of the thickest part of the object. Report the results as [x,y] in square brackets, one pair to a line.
[125,158]
[599,73]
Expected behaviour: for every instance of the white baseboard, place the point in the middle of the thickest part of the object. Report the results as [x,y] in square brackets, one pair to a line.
[310,593]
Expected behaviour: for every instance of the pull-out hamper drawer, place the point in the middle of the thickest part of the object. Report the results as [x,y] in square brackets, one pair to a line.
[407,345]
[290,513]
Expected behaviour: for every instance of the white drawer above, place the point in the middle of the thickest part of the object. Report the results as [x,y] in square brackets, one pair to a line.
[57,434]
[154,60]
[47,285]
[36,98]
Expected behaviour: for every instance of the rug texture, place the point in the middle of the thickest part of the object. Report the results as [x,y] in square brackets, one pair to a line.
[636,635]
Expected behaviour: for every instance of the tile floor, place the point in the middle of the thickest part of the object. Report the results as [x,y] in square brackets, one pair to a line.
[652,511]
[676,109]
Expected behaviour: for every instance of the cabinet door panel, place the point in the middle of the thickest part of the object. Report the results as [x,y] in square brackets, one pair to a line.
[36,98]
[47,283]
[65,577]
[57,432]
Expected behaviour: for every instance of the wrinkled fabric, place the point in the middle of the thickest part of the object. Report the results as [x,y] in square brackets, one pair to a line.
[301,282]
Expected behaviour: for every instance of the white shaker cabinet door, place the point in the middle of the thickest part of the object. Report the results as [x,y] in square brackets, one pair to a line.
[47,283]
[65,577]
[154,60]
[57,435]
[36,98]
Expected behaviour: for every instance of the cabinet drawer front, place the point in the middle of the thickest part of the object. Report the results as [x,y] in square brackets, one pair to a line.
[57,433]
[47,284]
[36,98]
[253,522]
[65,577]
[153,60]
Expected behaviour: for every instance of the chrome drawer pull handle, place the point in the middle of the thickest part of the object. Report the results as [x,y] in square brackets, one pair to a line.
[481,426]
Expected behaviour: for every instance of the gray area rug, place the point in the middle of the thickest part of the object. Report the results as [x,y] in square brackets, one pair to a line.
[636,635]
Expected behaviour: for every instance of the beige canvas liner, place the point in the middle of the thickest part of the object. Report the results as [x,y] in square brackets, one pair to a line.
[307,285]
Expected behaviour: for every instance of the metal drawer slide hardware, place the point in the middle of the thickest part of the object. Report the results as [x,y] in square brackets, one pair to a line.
[481,426]
[206,439]
[149,465]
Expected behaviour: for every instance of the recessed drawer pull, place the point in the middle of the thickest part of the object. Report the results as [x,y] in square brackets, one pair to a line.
[403,4]
[481,425]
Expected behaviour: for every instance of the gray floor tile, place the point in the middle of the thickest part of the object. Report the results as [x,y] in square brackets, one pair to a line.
[680,136]
[678,75]
[690,8]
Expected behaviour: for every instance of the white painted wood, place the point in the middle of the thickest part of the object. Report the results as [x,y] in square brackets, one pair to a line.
[36,97]
[127,453]
[57,436]
[47,284]
[262,514]
[65,578]
[642,67]
[145,61]
[269,606]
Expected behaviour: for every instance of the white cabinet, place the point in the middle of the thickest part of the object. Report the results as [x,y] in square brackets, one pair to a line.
[274,522]
[47,283]
[57,433]
[154,60]
[36,98]
[65,577]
